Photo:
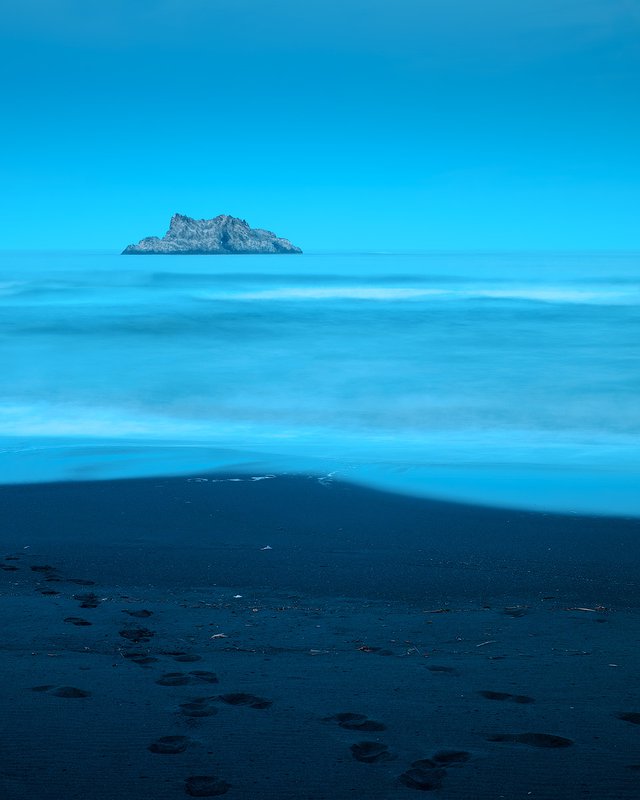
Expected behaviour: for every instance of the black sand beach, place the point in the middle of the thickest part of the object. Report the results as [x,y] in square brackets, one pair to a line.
[289,638]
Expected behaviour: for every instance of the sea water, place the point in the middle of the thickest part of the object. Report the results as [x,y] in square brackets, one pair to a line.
[510,379]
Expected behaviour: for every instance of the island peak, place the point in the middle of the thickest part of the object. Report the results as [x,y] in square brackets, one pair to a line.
[221,235]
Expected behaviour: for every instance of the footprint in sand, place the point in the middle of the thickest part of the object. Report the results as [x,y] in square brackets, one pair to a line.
[181,656]
[69,691]
[243,699]
[424,763]
[184,679]
[9,567]
[140,658]
[53,575]
[516,611]
[356,722]
[513,698]
[629,716]
[61,691]
[380,651]
[427,774]
[532,739]
[174,679]
[88,600]
[141,614]
[169,745]
[48,572]
[205,786]
[423,778]
[137,635]
[371,752]
[78,621]
[198,707]
[204,676]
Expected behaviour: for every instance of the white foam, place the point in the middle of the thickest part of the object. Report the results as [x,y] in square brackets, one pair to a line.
[551,294]
[332,293]
[567,486]
[8,288]
[534,293]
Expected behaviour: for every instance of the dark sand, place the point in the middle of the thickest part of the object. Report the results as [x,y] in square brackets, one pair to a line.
[381,648]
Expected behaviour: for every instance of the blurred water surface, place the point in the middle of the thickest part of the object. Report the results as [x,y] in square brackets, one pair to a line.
[499,378]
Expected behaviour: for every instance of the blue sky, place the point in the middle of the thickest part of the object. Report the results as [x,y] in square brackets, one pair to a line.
[351,125]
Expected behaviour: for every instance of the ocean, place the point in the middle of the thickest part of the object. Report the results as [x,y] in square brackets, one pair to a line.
[504,379]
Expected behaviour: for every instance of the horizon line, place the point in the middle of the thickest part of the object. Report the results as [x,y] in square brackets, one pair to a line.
[343,252]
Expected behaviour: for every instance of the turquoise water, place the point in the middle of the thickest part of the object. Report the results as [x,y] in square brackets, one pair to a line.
[498,378]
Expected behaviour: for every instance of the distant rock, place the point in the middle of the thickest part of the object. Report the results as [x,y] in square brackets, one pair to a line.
[223,235]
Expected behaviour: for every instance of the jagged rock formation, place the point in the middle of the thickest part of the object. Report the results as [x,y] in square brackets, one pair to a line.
[221,235]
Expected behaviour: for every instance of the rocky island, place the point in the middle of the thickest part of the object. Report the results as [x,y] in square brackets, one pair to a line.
[222,235]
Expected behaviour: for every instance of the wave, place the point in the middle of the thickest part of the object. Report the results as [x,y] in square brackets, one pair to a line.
[339,293]
[484,365]
[534,294]
[557,478]
[12,288]
[456,444]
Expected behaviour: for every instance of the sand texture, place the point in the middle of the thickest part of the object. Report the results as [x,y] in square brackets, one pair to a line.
[171,638]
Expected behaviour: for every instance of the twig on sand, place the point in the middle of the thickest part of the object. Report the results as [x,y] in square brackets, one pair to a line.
[490,641]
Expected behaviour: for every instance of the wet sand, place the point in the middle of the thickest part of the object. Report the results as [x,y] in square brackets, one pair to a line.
[287,638]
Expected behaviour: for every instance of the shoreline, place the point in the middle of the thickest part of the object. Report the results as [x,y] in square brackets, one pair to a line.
[326,537]
[136,610]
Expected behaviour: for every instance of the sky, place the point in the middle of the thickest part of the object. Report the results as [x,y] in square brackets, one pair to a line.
[343,125]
